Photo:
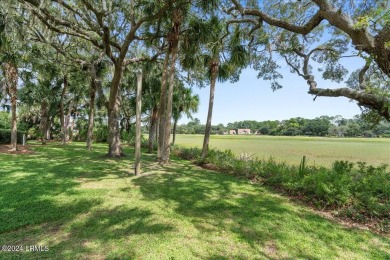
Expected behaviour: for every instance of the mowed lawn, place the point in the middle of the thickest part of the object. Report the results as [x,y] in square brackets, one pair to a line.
[84,206]
[319,150]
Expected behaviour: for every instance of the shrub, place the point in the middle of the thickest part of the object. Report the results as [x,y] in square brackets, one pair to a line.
[100,133]
[5,136]
[191,154]
[82,126]
[361,194]
[5,120]
[33,133]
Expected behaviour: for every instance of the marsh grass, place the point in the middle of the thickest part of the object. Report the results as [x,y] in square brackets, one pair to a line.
[319,151]
[85,206]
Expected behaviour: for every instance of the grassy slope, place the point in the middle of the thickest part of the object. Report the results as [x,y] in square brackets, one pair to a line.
[81,205]
[319,150]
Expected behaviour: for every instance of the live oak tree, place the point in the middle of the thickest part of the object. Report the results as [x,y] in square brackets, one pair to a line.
[308,33]
[112,28]
[82,56]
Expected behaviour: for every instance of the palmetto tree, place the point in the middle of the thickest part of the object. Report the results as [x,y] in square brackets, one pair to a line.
[178,22]
[184,101]
[219,52]
[41,86]
[11,44]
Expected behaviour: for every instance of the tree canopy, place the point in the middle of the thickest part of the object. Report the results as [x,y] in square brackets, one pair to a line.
[84,53]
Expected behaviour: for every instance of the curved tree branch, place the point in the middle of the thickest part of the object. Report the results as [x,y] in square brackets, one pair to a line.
[377,103]
[315,20]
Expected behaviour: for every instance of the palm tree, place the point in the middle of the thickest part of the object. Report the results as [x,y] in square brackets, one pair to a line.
[11,44]
[184,101]
[221,54]
[179,17]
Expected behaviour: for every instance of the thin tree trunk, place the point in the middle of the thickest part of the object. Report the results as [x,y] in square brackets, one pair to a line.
[174,131]
[68,129]
[166,148]
[152,128]
[174,43]
[163,106]
[214,74]
[47,135]
[70,133]
[137,166]
[114,141]
[92,94]
[44,120]
[11,79]
[64,126]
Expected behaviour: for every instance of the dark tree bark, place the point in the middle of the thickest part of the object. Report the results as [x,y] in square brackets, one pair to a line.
[206,140]
[91,114]
[137,159]
[173,39]
[167,131]
[114,141]
[162,110]
[153,121]
[44,121]
[174,130]
[64,126]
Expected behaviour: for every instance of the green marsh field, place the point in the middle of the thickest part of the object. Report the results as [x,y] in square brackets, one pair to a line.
[319,150]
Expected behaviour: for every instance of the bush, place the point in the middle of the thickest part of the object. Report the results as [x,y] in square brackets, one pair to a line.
[361,194]
[5,120]
[33,133]
[5,136]
[100,133]
[82,126]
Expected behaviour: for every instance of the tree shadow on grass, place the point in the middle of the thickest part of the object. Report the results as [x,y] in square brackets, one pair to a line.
[266,222]
[103,230]
[41,202]
[29,184]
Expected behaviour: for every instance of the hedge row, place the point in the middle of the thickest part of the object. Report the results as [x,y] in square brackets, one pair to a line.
[356,191]
[5,136]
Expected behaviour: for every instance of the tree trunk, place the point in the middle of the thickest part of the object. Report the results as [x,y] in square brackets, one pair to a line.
[167,131]
[47,134]
[44,121]
[163,106]
[174,43]
[11,79]
[70,133]
[114,141]
[152,128]
[64,126]
[68,129]
[92,94]
[137,166]
[214,74]
[174,131]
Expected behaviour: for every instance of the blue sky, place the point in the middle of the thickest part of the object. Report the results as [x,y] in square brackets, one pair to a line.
[253,99]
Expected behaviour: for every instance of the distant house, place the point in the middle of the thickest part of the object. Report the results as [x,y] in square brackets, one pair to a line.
[232,132]
[244,131]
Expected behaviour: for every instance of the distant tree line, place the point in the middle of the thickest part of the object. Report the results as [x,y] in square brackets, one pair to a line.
[321,126]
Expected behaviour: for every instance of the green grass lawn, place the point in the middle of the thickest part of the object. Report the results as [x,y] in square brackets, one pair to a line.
[319,150]
[84,206]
